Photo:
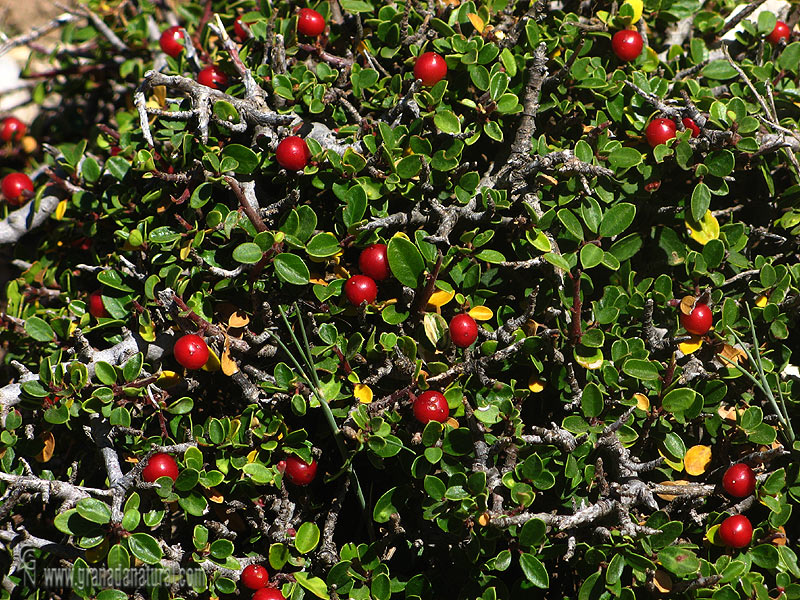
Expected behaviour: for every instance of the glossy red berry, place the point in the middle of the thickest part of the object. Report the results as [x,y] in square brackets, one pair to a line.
[627,44]
[780,32]
[699,321]
[12,129]
[739,480]
[463,330]
[213,77]
[254,577]
[430,67]
[691,126]
[374,262]
[293,153]
[431,406]
[191,351]
[298,471]
[736,531]
[171,41]
[658,131]
[239,30]
[96,308]
[268,594]
[15,186]
[310,22]
[160,465]
[360,288]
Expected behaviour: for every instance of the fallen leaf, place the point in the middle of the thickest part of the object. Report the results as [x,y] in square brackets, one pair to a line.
[483,520]
[697,459]
[535,384]
[238,319]
[642,402]
[229,366]
[452,422]
[49,445]
[780,537]
[687,304]
[727,413]
[761,301]
[732,353]
[671,497]
[440,298]
[363,393]
[481,313]
[691,346]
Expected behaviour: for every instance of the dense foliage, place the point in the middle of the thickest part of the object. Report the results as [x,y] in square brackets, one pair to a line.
[582,447]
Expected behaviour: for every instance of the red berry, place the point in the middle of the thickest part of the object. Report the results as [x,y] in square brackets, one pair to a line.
[739,480]
[431,406]
[463,330]
[659,131]
[211,76]
[310,22]
[12,129]
[698,321]
[254,577]
[736,531]
[360,288]
[191,351]
[171,41]
[14,187]
[293,153]
[298,471]
[160,465]
[239,30]
[627,44]
[96,307]
[373,262]
[430,67]
[781,32]
[115,150]
[269,594]
[691,125]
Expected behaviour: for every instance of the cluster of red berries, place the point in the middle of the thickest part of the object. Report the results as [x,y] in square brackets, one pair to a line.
[16,188]
[374,265]
[658,131]
[739,481]
[256,577]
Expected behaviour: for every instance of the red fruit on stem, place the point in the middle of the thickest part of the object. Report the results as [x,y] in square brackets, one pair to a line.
[310,22]
[14,187]
[171,41]
[430,67]
[739,480]
[627,44]
[211,76]
[268,594]
[360,288]
[736,531]
[96,307]
[239,30]
[374,262]
[293,153]
[463,330]
[191,351]
[699,321]
[298,471]
[12,129]
[160,465]
[254,577]
[780,32]
[658,131]
[431,406]
[691,125]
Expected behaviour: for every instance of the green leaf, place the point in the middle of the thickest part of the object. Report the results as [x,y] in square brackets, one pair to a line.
[118,167]
[39,330]
[720,163]
[408,166]
[145,548]
[118,557]
[247,159]
[315,585]
[617,219]
[248,253]
[447,122]
[591,401]
[133,367]
[720,70]
[291,269]
[90,170]
[434,486]
[307,538]
[624,157]
[323,245]
[405,261]
[534,570]
[356,6]
[644,370]
[384,507]
[105,372]
[94,510]
[221,549]
[680,561]
[701,200]
[678,400]
[571,222]
[591,256]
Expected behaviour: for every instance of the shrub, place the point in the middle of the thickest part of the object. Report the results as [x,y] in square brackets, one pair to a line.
[587,433]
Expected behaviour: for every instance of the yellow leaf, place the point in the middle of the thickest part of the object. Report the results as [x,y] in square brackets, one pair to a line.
[483,520]
[213,363]
[215,496]
[671,497]
[316,280]
[704,231]
[49,445]
[671,462]
[642,402]
[727,412]
[251,456]
[481,313]
[238,319]
[229,366]
[476,21]
[761,301]
[712,535]
[732,353]
[662,581]
[687,304]
[440,298]
[691,346]
[160,94]
[363,393]
[637,6]
[697,459]
[58,215]
[29,144]
[148,332]
[535,384]
[186,249]
[167,379]
[452,422]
